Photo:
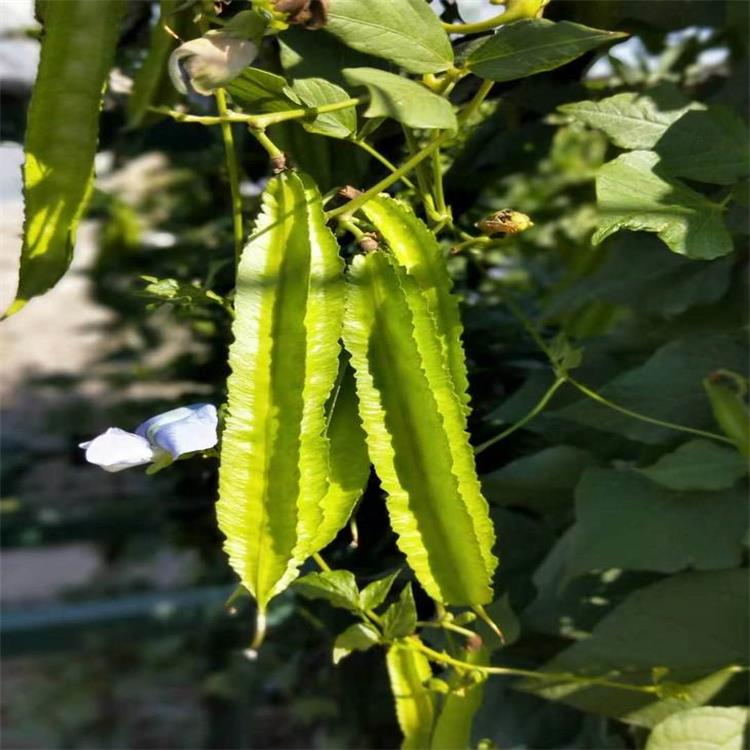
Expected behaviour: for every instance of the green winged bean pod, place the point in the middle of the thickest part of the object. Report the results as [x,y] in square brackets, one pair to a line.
[416,436]
[408,671]
[348,462]
[61,135]
[284,360]
[415,248]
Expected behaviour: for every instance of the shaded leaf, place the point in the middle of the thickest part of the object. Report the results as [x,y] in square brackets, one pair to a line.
[639,275]
[542,480]
[405,32]
[658,626]
[705,728]
[532,46]
[61,137]
[698,465]
[258,91]
[359,637]
[338,587]
[402,99]
[624,520]
[709,146]
[631,195]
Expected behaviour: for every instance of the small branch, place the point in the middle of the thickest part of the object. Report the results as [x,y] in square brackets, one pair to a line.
[350,207]
[471,108]
[233,172]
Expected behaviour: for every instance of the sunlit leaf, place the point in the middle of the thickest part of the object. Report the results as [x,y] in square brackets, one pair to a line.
[705,728]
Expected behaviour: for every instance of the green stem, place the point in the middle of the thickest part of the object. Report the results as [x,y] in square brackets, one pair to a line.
[437,180]
[404,169]
[443,658]
[261,121]
[372,151]
[531,329]
[272,149]
[470,110]
[233,172]
[643,417]
[538,408]
[442,625]
[425,193]
[350,227]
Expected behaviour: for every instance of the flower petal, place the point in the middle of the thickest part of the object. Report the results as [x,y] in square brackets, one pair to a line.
[116,449]
[184,430]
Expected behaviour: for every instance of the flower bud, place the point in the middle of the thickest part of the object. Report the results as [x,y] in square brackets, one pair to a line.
[211,61]
[506,221]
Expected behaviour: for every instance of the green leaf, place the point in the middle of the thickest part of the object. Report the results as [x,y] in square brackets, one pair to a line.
[408,671]
[338,587]
[348,462]
[274,471]
[633,120]
[709,146]
[374,594]
[405,32]
[667,387]
[319,55]
[258,91]
[624,520]
[402,99]
[637,274]
[359,637]
[415,248]
[532,46]
[315,92]
[400,619]
[61,136]
[698,465]
[659,627]
[631,195]
[705,728]
[542,481]
[415,425]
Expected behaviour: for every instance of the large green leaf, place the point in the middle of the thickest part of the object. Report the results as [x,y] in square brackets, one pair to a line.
[415,425]
[415,248]
[408,671]
[284,360]
[532,46]
[633,120]
[319,55]
[402,99]
[626,521]
[698,465]
[61,136]
[405,32]
[631,195]
[659,627]
[315,92]
[704,728]
[668,386]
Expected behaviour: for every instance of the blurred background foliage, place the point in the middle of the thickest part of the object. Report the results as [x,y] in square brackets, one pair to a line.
[129,660]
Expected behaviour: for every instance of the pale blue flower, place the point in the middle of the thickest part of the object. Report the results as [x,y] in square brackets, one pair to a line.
[161,439]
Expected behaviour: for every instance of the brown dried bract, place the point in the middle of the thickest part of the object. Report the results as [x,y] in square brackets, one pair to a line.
[312,14]
[348,192]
